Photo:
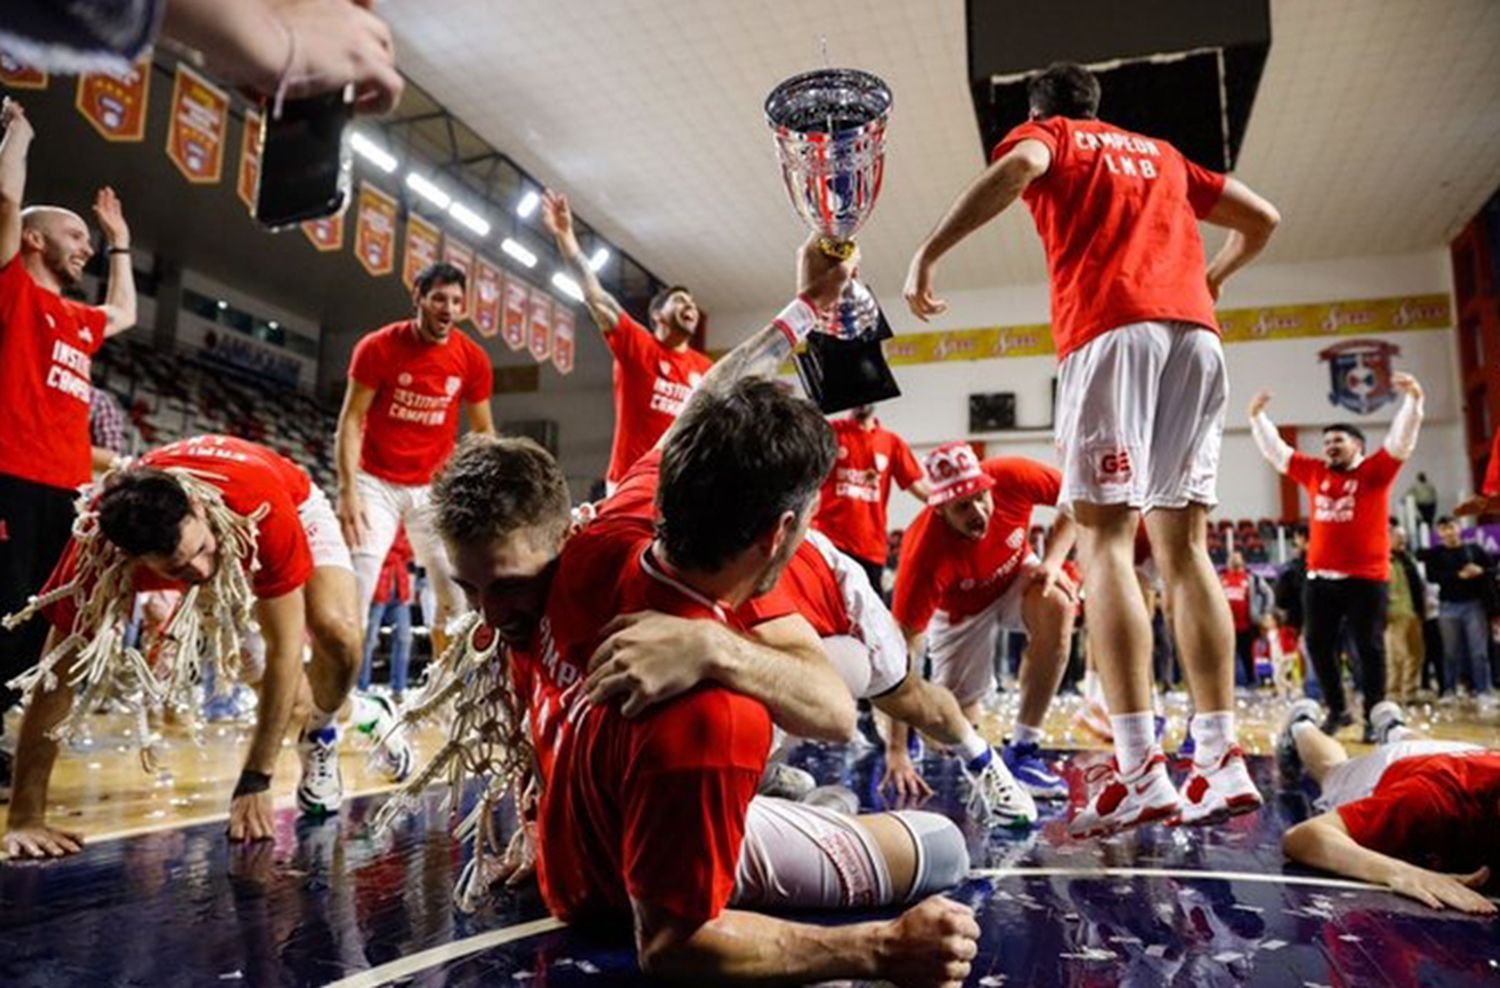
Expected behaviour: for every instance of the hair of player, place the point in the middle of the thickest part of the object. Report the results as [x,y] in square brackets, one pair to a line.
[736,462]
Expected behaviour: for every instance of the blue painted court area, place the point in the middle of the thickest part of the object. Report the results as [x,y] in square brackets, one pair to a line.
[329,903]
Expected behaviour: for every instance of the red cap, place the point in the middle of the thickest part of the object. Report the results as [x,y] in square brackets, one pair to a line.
[953,471]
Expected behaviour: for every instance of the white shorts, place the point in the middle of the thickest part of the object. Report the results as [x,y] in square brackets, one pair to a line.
[1358,777]
[324,537]
[870,621]
[387,506]
[963,651]
[1140,417]
[796,855]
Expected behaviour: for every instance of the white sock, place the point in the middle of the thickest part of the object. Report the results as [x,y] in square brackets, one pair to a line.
[1135,737]
[1213,733]
[971,745]
[1091,689]
[363,712]
[1026,734]
[318,718]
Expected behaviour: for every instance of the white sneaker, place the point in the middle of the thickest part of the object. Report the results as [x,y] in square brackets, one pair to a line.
[1388,721]
[1126,801]
[998,797]
[392,754]
[321,789]
[785,781]
[1217,792]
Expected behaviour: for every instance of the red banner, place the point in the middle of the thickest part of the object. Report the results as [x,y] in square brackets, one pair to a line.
[249,178]
[326,234]
[562,338]
[513,317]
[14,75]
[375,231]
[197,126]
[116,105]
[487,285]
[539,326]
[461,256]
[422,241]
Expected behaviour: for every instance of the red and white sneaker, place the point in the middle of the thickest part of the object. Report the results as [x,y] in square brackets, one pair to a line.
[1126,801]
[1218,792]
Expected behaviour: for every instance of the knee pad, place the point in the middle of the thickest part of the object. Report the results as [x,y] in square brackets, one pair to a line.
[942,855]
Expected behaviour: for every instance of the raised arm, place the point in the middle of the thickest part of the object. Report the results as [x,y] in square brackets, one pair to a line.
[13,150]
[1251,221]
[557,217]
[28,835]
[119,297]
[1401,438]
[1267,439]
[986,197]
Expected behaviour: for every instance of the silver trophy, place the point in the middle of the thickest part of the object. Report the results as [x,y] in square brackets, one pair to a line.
[829,127]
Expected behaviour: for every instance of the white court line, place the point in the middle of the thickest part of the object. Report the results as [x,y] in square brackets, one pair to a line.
[432,957]
[1231,876]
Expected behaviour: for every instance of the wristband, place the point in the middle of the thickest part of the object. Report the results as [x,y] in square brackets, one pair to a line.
[118,250]
[798,319]
[251,782]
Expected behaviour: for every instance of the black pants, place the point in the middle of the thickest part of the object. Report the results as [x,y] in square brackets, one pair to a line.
[1244,650]
[35,522]
[1328,605]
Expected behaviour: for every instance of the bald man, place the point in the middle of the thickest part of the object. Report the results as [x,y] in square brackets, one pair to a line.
[46,345]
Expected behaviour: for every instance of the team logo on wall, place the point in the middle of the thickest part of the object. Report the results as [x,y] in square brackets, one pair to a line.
[1360,374]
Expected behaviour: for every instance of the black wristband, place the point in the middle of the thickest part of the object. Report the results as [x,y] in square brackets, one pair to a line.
[251,782]
[118,250]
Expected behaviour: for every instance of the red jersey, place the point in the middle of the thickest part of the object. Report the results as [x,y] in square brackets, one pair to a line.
[1491,485]
[942,570]
[1436,811]
[395,577]
[413,420]
[249,475]
[1236,586]
[652,386]
[1349,532]
[1117,213]
[47,344]
[852,508]
[1287,640]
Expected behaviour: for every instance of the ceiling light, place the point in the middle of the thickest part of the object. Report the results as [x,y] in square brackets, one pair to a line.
[469,218]
[424,187]
[223,304]
[372,152]
[274,324]
[528,204]
[599,258]
[518,252]
[567,286]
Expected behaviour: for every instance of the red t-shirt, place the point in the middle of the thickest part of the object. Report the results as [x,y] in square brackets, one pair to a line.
[47,344]
[812,587]
[249,475]
[942,570]
[1117,213]
[1436,811]
[1237,590]
[652,386]
[1491,484]
[394,575]
[852,509]
[1349,531]
[413,421]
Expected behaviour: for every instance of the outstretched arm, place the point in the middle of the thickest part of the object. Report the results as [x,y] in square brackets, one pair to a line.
[13,149]
[1401,438]
[1267,439]
[119,296]
[557,217]
[28,835]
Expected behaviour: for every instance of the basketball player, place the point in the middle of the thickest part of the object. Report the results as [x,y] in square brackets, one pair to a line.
[656,370]
[1348,553]
[1140,408]
[47,343]
[1416,815]
[851,506]
[227,521]
[966,573]
[407,381]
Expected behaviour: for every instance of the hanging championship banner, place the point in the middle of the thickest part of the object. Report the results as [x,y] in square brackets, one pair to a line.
[196,128]
[422,241]
[116,105]
[14,75]
[461,256]
[249,177]
[539,326]
[326,234]
[375,231]
[487,286]
[513,315]
[562,338]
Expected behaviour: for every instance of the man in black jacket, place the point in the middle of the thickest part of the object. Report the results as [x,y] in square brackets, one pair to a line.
[1405,610]
[1461,571]
[1290,579]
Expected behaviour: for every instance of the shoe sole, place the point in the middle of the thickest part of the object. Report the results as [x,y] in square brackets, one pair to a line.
[1238,806]
[310,808]
[1150,814]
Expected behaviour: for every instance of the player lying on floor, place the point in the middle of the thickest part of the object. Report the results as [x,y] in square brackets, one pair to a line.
[244,532]
[651,818]
[1419,816]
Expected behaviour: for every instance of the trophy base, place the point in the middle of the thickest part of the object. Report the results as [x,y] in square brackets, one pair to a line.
[840,374]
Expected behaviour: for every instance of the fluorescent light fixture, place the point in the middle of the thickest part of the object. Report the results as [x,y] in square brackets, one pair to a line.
[223,304]
[425,188]
[518,252]
[567,286]
[470,219]
[372,152]
[598,260]
[528,204]
[274,324]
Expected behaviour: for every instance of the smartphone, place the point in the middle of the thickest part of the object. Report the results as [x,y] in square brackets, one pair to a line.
[305,160]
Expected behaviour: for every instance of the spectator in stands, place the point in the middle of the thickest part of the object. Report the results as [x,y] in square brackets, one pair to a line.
[1280,648]
[1403,620]
[106,430]
[1291,579]
[1426,498]
[1236,581]
[393,597]
[1463,573]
